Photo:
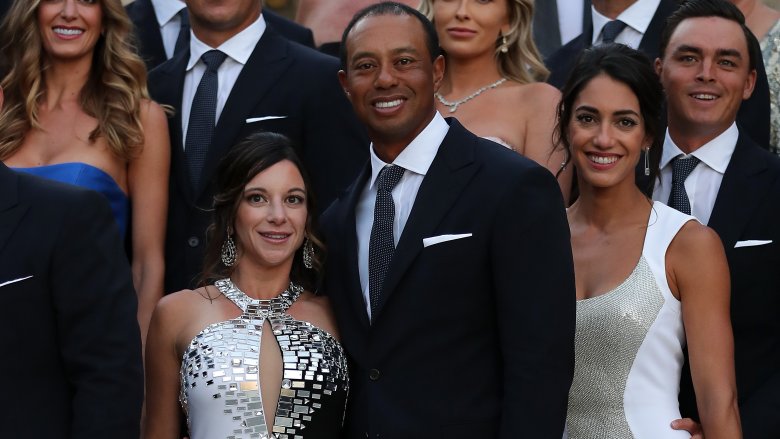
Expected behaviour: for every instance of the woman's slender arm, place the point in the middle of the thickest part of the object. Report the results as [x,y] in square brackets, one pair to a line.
[699,273]
[148,187]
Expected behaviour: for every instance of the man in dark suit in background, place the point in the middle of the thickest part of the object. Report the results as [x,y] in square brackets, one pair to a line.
[707,68]
[247,78]
[549,35]
[71,345]
[642,24]
[449,266]
[157,24]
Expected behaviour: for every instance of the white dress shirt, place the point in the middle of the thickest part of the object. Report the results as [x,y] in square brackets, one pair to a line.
[703,184]
[238,49]
[167,12]
[637,17]
[416,158]
[570,15]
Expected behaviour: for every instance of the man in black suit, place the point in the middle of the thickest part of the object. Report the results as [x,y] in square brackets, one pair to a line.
[645,20]
[150,21]
[454,290]
[264,83]
[71,345]
[707,68]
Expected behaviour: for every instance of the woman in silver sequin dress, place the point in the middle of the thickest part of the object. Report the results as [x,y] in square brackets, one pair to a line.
[251,353]
[642,269]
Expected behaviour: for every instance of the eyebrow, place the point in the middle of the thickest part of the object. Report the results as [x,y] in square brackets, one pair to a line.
[262,189]
[616,113]
[720,52]
[397,51]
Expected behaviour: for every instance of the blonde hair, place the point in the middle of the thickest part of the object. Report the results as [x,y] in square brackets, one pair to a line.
[522,62]
[113,93]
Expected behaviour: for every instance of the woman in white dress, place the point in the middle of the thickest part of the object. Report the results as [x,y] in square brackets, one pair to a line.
[649,278]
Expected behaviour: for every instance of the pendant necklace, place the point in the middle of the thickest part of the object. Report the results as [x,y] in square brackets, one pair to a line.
[453,106]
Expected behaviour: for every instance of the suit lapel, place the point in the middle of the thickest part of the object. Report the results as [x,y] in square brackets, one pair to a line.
[263,70]
[650,40]
[11,212]
[148,32]
[744,185]
[451,170]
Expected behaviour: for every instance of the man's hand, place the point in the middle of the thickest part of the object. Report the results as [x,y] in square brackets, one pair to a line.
[690,426]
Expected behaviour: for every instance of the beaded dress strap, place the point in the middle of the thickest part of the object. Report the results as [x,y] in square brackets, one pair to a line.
[276,305]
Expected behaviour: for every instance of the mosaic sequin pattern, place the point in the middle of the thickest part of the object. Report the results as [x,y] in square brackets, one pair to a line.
[224,359]
[610,330]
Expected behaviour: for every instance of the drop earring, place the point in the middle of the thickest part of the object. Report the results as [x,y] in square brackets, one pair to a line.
[308,253]
[229,252]
[647,161]
[504,47]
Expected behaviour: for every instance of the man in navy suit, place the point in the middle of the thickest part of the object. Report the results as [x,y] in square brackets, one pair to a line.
[707,68]
[264,82]
[456,308]
[156,28]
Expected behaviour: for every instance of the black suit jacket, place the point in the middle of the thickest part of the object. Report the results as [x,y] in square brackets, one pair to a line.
[473,337]
[71,345]
[150,44]
[281,78]
[753,114]
[746,208]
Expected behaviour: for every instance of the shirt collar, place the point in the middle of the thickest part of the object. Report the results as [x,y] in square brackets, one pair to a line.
[419,154]
[239,47]
[637,16]
[716,153]
[165,10]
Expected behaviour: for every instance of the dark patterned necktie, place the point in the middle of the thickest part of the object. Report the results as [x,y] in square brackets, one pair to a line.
[202,116]
[382,243]
[611,30]
[184,32]
[681,169]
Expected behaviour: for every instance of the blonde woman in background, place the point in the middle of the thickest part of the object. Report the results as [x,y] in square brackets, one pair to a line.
[493,77]
[77,111]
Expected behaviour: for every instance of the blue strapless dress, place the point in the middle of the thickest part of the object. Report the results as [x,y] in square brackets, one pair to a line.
[89,177]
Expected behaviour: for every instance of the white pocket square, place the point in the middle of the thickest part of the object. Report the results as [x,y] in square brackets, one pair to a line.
[14,281]
[443,238]
[260,119]
[752,243]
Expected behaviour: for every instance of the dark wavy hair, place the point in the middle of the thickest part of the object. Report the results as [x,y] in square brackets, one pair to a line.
[237,168]
[623,64]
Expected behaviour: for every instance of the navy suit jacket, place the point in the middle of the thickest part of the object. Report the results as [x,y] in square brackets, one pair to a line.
[150,44]
[473,337]
[753,114]
[281,78]
[71,345]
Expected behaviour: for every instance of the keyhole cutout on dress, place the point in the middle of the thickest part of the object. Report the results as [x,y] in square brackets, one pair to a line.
[271,371]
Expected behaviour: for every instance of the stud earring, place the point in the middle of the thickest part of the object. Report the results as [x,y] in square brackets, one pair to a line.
[308,253]
[647,161]
[229,253]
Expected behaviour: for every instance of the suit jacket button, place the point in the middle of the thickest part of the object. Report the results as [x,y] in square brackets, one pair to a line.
[373,375]
[193,241]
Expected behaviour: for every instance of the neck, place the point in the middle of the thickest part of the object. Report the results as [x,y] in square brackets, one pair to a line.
[261,284]
[65,80]
[690,140]
[612,8]
[606,208]
[214,36]
[388,147]
[463,76]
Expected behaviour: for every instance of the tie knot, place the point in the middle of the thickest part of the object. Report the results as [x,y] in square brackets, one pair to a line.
[389,176]
[682,167]
[213,59]
[611,31]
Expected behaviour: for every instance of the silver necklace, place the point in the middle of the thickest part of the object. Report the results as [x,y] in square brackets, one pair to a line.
[453,106]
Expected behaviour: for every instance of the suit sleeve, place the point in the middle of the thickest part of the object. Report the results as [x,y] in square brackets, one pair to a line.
[95,305]
[534,277]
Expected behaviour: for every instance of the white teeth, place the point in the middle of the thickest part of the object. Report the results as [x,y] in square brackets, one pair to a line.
[273,236]
[62,31]
[602,160]
[705,97]
[390,104]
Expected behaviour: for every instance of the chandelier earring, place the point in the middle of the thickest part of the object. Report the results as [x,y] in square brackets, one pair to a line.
[504,46]
[308,253]
[647,161]
[229,253]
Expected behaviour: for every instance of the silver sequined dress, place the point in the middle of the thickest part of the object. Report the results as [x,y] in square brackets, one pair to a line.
[770,52]
[220,374]
[628,349]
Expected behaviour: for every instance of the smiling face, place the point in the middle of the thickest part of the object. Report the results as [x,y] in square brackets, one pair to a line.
[606,133]
[270,223]
[390,80]
[705,74]
[470,28]
[69,29]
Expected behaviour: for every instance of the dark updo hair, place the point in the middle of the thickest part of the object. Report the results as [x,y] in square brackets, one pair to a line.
[237,168]
[625,65]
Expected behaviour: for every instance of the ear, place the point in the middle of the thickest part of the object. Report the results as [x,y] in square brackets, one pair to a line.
[344,83]
[659,67]
[750,85]
[438,72]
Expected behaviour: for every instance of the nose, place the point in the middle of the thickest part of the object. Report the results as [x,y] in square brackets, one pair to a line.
[706,71]
[385,77]
[604,137]
[276,212]
[462,13]
[68,10]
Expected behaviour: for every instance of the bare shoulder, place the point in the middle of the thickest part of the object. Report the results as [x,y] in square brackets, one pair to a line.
[152,112]
[182,305]
[695,240]
[538,92]
[317,311]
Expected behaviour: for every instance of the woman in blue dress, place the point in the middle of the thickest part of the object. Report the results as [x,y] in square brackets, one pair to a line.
[77,110]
